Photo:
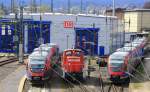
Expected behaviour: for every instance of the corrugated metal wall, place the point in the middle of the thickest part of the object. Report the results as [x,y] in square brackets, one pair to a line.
[9,35]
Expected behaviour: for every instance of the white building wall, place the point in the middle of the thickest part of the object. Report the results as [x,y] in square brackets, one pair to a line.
[107,26]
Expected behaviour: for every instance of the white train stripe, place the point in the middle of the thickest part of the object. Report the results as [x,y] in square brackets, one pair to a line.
[147,58]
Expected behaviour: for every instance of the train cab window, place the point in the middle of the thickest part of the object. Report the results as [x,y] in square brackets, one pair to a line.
[68,53]
[116,67]
[77,53]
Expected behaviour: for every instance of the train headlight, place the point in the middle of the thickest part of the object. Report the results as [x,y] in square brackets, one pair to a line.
[42,69]
[31,69]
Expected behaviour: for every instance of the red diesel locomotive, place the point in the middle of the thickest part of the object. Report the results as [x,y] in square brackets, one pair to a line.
[73,63]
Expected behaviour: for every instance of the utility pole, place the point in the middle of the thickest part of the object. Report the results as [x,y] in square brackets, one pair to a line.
[12,6]
[81,6]
[113,14]
[69,6]
[67,41]
[52,5]
[31,6]
[34,6]
[21,54]
[40,24]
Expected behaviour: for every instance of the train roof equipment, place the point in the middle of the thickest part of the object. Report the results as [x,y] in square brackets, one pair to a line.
[131,45]
[49,45]
[126,49]
[38,54]
[42,49]
[73,49]
[118,56]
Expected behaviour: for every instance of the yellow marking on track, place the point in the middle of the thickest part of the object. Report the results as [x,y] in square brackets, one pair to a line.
[22,83]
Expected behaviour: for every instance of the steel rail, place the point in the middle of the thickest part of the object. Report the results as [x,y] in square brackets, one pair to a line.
[11,60]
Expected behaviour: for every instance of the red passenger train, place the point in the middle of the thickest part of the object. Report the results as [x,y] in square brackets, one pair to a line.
[124,61]
[73,63]
[40,63]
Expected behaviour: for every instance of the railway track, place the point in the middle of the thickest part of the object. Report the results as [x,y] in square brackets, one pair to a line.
[73,85]
[115,88]
[10,60]
[75,88]
[111,87]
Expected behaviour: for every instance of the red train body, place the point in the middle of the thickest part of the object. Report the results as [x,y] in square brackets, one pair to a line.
[72,63]
[124,61]
[40,64]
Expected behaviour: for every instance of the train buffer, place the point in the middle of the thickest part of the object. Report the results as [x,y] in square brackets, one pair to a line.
[103,73]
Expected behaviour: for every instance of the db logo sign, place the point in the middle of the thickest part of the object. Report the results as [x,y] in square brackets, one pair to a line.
[68,24]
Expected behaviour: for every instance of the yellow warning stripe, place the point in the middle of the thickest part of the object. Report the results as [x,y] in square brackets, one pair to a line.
[22,83]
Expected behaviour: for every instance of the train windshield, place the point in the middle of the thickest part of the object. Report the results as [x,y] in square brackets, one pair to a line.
[37,66]
[73,53]
[116,67]
[37,63]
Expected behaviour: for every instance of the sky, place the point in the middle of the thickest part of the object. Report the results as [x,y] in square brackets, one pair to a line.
[59,3]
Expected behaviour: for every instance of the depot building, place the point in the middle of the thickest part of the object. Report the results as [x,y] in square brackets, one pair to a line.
[94,34]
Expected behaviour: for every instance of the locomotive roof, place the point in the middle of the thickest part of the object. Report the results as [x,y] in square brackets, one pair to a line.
[73,49]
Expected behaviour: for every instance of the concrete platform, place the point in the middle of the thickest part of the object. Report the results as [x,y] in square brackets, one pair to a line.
[11,82]
[140,87]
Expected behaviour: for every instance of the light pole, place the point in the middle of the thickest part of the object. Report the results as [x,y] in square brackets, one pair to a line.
[52,5]
[113,14]
[69,6]
[67,41]
[81,7]
[21,54]
[40,23]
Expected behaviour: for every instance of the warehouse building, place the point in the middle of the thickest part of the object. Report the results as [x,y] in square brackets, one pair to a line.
[94,34]
[137,20]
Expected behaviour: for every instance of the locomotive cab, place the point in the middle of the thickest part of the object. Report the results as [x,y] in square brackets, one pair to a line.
[72,63]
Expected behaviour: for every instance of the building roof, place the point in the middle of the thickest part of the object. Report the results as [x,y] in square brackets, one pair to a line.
[138,10]
[63,14]
[116,10]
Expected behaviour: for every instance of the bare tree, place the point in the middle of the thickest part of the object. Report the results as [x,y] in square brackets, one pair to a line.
[147,5]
